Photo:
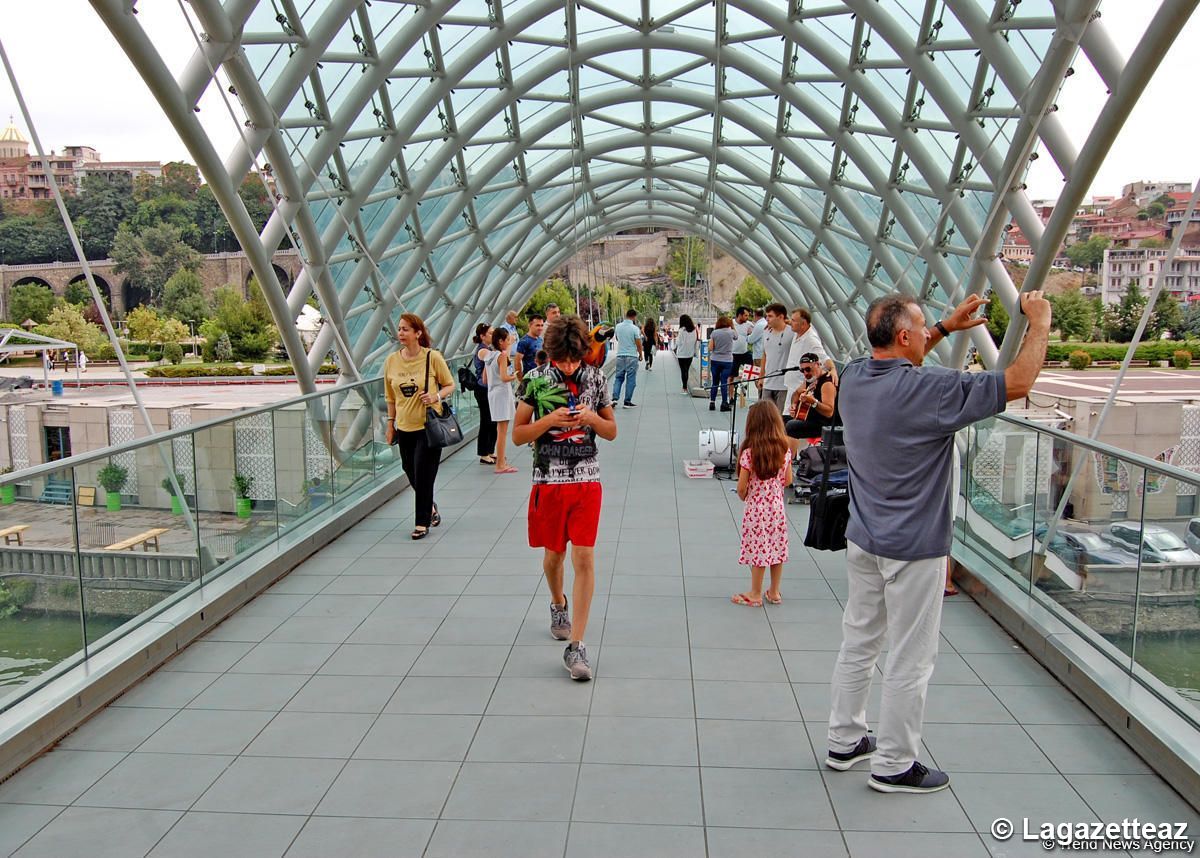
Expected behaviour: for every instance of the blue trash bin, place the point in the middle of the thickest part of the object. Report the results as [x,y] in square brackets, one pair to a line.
[56,388]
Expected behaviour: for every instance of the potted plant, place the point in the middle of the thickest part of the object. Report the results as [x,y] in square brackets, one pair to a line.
[7,491]
[176,500]
[112,477]
[241,490]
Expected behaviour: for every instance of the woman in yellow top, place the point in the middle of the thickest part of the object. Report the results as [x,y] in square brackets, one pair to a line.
[415,378]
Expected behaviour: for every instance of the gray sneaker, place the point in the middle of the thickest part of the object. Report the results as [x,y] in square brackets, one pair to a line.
[560,621]
[576,661]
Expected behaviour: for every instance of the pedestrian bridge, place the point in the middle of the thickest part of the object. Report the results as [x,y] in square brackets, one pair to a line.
[391,697]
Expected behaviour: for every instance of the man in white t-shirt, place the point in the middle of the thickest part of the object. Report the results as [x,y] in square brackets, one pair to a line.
[806,341]
[742,356]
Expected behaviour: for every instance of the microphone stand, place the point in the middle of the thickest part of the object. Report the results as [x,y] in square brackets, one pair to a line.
[732,466]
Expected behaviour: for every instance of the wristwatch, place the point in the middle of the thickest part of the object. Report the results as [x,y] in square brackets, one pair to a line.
[941,328]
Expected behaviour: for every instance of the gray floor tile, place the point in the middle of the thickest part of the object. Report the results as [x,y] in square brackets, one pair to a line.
[901,845]
[1035,704]
[984,748]
[750,631]
[419,737]
[753,701]
[641,741]
[302,658]
[410,606]
[755,744]
[371,660]
[807,636]
[473,839]
[298,584]
[326,836]
[965,704]
[208,656]
[547,661]
[528,739]
[986,638]
[739,665]
[311,734]
[390,788]
[120,729]
[482,631]
[757,798]
[230,835]
[99,833]
[1016,668]
[662,795]
[432,585]
[1148,797]
[271,785]
[638,662]
[1086,750]
[19,822]
[646,608]
[207,731]
[278,605]
[607,839]
[660,698]
[156,781]
[251,691]
[244,628]
[363,585]
[58,777]
[444,695]
[166,690]
[314,630]
[809,665]
[1036,797]
[860,808]
[647,585]
[367,694]
[505,585]
[671,632]
[349,606]
[414,631]
[776,842]
[520,695]
[460,661]
[516,791]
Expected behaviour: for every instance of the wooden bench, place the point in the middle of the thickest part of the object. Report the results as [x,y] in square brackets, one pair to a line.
[145,539]
[16,530]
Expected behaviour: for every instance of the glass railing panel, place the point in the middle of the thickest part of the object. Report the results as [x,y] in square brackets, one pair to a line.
[465,406]
[142,553]
[302,463]
[353,420]
[1167,642]
[999,484]
[41,626]
[235,473]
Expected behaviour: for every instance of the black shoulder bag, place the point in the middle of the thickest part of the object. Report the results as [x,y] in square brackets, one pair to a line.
[441,430]
[830,510]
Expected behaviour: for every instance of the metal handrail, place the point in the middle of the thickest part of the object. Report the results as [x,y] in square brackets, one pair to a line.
[46,468]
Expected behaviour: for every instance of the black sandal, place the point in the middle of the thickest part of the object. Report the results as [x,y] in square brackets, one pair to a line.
[419,532]
[436,518]
[487,460]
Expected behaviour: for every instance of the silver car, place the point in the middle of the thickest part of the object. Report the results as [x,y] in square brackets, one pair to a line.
[1158,544]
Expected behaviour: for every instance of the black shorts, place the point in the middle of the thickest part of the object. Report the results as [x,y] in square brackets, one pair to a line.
[744,359]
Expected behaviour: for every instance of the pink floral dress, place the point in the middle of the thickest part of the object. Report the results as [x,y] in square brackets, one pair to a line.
[764,521]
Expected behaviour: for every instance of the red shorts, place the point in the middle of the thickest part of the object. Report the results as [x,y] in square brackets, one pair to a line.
[564,512]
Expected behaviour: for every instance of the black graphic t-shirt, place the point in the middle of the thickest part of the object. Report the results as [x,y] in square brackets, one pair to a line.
[569,455]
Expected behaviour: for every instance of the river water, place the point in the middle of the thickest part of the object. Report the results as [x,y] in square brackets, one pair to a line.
[31,643]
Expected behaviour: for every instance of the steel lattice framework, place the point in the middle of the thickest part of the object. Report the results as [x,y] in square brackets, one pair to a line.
[442,157]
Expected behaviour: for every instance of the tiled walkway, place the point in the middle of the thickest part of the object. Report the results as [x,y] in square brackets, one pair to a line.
[392,698]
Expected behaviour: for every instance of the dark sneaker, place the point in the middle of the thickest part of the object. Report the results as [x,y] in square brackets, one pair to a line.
[560,621]
[726,407]
[843,762]
[712,406]
[917,779]
[576,662]
[631,405]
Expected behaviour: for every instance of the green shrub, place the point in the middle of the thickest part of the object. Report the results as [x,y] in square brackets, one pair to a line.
[1157,350]
[173,352]
[1182,359]
[193,371]
[1079,359]
[22,591]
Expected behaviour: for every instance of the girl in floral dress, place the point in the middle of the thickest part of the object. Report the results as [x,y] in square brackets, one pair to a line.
[764,471]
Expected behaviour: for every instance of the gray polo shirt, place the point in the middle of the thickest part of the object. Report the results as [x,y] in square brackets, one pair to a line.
[900,422]
[776,347]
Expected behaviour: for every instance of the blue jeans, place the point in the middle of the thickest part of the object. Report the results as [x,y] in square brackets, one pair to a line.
[626,374]
[720,370]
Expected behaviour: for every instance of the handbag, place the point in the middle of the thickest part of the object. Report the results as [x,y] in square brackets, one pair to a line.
[829,512]
[441,430]
[466,379]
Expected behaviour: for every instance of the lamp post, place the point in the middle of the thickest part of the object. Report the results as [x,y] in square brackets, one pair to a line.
[192,328]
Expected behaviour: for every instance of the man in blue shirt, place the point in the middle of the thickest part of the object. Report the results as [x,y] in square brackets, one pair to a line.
[629,352]
[529,345]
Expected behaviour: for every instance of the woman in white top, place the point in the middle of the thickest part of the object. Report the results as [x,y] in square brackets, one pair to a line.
[500,395]
[685,348]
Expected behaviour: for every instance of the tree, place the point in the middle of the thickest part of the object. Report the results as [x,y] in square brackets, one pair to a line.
[67,323]
[34,238]
[1121,319]
[1088,254]
[1166,317]
[224,348]
[99,210]
[169,210]
[1190,322]
[687,259]
[751,294]
[246,323]
[997,318]
[78,293]
[1073,314]
[1152,243]
[553,291]
[183,297]
[180,179]
[613,301]
[146,325]
[30,301]
[150,257]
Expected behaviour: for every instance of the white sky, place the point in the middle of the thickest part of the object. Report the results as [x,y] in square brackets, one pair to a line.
[83,91]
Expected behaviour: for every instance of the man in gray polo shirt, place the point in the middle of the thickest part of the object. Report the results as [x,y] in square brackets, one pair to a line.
[900,418]
[777,345]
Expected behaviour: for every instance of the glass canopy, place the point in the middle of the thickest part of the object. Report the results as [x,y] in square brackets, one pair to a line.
[443,157]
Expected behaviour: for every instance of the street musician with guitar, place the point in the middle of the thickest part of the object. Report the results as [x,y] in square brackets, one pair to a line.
[813,405]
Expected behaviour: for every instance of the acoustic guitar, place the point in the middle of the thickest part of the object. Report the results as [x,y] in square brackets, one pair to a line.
[801,408]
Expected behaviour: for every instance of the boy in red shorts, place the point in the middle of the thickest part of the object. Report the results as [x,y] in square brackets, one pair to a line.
[565,408]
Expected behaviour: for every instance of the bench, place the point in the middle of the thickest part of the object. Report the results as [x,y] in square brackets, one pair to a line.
[16,530]
[144,539]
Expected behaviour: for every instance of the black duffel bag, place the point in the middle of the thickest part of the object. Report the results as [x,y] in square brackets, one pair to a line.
[828,515]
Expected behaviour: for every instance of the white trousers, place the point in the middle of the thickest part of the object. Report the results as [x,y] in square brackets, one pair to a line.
[902,602]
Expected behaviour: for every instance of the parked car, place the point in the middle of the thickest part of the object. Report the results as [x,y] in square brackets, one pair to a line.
[1192,534]
[1079,545]
[1158,544]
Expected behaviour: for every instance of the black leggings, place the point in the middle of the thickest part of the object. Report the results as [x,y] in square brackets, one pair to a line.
[685,366]
[648,349]
[485,443]
[420,463]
